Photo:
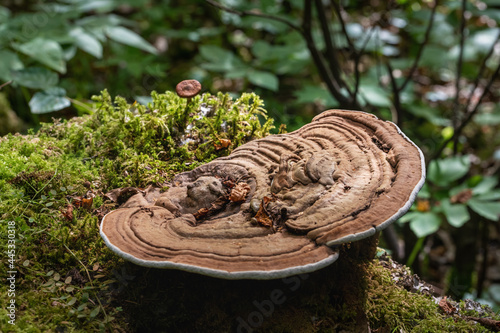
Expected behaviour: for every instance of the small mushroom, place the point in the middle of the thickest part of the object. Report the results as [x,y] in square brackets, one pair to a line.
[339,179]
[188,89]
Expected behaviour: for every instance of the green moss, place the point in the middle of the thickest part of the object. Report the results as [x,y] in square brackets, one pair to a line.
[391,307]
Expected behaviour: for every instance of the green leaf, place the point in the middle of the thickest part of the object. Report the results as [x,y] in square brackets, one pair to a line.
[425,224]
[100,6]
[444,171]
[489,210]
[95,312]
[49,100]
[487,119]
[45,51]
[489,196]
[86,42]
[72,301]
[10,62]
[409,216]
[35,77]
[128,37]
[4,14]
[486,185]
[375,95]
[424,192]
[263,79]
[315,94]
[219,60]
[81,307]
[456,214]
[432,114]
[483,40]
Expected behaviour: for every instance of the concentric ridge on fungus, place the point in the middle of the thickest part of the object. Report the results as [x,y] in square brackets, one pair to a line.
[339,179]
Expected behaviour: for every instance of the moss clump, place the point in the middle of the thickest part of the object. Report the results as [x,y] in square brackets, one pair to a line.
[391,307]
[65,276]
[133,145]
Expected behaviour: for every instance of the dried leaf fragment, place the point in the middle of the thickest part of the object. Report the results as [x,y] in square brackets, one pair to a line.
[446,306]
[224,143]
[68,214]
[239,192]
[262,215]
[462,197]
[214,208]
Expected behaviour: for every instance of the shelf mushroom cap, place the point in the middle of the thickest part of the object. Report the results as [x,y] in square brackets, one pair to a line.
[339,179]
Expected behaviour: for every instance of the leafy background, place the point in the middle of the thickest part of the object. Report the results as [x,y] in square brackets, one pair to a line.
[430,66]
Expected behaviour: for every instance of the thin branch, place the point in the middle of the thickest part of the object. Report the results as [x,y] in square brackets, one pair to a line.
[251,13]
[422,46]
[455,107]
[331,51]
[357,60]
[352,49]
[480,73]
[395,91]
[305,31]
[470,114]
[325,74]
[5,84]
[338,11]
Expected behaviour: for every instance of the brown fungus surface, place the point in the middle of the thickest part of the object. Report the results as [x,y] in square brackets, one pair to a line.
[188,88]
[340,178]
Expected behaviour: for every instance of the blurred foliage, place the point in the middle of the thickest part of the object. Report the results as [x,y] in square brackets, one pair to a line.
[429,66]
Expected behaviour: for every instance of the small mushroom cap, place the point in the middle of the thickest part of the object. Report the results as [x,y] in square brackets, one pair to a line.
[188,88]
[339,179]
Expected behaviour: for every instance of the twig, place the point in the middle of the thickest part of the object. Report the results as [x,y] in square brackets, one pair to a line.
[395,92]
[480,73]
[470,114]
[422,47]
[331,51]
[250,13]
[5,84]
[352,48]
[455,107]
[305,31]
[325,74]
[338,11]
[357,60]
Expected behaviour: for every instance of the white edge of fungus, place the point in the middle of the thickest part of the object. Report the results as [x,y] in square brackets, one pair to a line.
[221,274]
[399,213]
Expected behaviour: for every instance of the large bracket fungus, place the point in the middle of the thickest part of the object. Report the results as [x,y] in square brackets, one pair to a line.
[276,206]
